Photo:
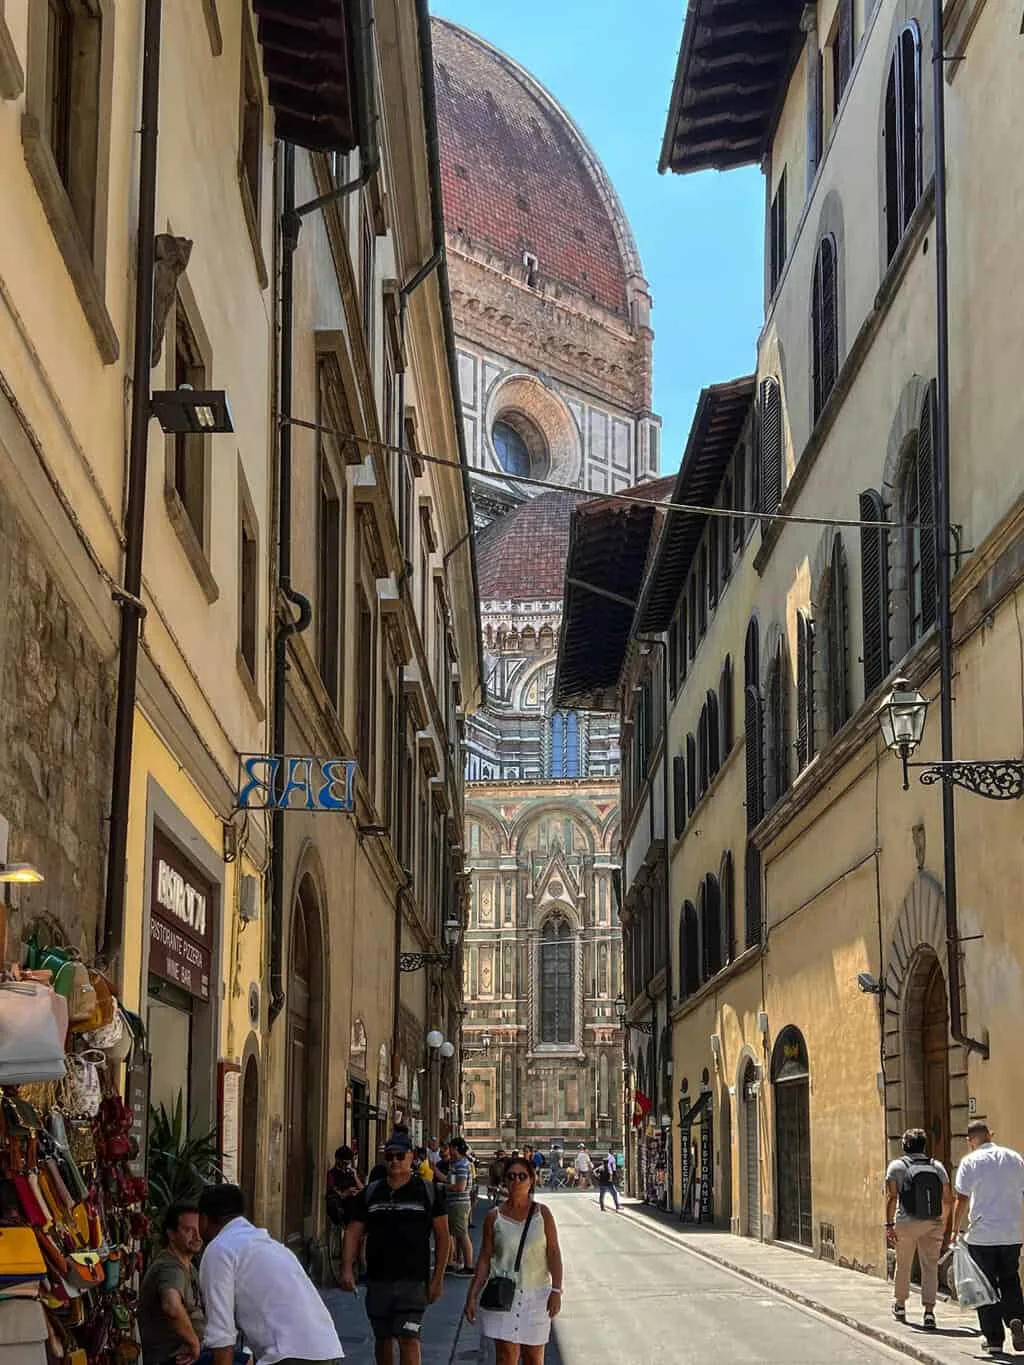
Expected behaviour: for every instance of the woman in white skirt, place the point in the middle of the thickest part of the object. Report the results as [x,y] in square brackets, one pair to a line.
[521,1333]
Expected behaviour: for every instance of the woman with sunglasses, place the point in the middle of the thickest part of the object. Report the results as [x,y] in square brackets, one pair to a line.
[520,1333]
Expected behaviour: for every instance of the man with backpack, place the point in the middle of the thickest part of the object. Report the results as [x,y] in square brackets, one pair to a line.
[606,1181]
[918,1207]
[398,1214]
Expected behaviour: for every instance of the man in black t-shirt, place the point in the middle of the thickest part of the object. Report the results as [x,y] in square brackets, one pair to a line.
[398,1215]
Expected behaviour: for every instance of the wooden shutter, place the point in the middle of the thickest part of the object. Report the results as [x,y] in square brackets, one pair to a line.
[802,687]
[725,707]
[874,590]
[824,324]
[838,686]
[771,445]
[739,524]
[815,120]
[755,755]
[728,910]
[691,774]
[844,48]
[714,735]
[927,511]
[891,138]
[679,793]
[702,749]
[752,894]
[713,560]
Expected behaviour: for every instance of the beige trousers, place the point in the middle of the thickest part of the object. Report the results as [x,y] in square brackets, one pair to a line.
[923,1235]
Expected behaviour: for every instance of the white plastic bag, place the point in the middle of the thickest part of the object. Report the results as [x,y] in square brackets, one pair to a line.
[971,1283]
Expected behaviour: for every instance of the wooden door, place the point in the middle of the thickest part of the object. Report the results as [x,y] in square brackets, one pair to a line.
[935,1055]
[793,1161]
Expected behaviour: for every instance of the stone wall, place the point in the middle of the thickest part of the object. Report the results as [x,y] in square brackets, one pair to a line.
[56,737]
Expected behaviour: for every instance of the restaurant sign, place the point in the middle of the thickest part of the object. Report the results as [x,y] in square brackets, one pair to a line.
[181,920]
[296,782]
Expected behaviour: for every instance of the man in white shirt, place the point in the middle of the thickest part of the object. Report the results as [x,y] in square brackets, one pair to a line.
[583,1167]
[254,1285]
[990,1183]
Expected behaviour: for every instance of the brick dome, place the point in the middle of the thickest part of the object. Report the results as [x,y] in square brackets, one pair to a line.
[521,556]
[519,176]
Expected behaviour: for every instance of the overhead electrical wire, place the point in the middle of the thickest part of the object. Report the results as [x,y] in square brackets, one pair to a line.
[634,500]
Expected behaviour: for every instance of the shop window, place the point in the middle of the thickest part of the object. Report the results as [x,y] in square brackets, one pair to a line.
[902,135]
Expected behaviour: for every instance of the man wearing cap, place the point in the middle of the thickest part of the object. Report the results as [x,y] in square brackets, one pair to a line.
[397,1215]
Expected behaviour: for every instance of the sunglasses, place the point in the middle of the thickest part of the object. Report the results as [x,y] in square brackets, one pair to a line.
[518,1175]
[395,1156]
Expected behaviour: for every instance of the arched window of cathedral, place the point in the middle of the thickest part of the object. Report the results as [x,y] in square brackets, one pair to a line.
[556,984]
[529,640]
[546,639]
[520,446]
[558,745]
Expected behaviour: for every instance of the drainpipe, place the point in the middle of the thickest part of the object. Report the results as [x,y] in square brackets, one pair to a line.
[128,599]
[945,549]
[291,224]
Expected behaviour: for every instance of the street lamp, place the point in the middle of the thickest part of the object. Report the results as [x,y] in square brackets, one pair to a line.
[446,1050]
[413,962]
[646,1028]
[901,719]
[186,411]
[434,1039]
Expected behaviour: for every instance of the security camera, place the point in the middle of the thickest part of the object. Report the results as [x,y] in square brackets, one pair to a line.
[868,984]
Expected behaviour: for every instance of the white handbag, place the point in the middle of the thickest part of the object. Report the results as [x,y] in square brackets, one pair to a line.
[31,1035]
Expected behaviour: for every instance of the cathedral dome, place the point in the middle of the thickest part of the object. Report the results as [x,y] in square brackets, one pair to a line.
[520,179]
[521,557]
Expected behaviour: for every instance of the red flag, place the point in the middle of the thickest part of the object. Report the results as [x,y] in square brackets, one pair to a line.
[641,1108]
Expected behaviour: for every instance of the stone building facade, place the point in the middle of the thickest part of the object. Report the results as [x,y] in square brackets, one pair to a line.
[551,316]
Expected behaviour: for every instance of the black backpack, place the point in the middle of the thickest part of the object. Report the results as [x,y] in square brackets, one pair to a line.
[921,1191]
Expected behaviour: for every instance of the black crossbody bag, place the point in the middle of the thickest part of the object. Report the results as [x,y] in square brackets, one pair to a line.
[500,1290]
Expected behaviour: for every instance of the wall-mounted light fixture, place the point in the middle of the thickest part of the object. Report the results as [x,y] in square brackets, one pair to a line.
[186,411]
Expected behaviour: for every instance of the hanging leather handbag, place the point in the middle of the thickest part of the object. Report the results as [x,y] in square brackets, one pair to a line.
[85,1270]
[20,1257]
[500,1290]
[31,1038]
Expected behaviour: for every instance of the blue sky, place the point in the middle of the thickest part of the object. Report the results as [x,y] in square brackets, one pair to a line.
[701,236]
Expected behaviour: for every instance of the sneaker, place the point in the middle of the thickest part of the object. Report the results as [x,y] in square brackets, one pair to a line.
[929,1319]
[994,1348]
[1017,1334]
[899,1312]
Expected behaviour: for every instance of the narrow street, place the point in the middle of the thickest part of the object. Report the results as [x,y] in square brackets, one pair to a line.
[631,1296]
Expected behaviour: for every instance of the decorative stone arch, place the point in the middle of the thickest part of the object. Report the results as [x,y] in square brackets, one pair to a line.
[499,829]
[521,394]
[906,12]
[531,674]
[608,832]
[902,432]
[918,941]
[545,811]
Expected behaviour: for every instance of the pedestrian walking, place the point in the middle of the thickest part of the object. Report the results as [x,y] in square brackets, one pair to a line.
[584,1167]
[171,1317]
[495,1175]
[989,1197]
[606,1182]
[459,1203]
[399,1215]
[517,1289]
[918,1207]
[254,1285]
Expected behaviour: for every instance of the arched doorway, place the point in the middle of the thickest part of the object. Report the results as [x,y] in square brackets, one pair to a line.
[751,1155]
[792,1089]
[302,1083]
[250,1117]
[926,1030]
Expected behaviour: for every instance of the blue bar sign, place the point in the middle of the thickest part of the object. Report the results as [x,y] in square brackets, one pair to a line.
[288,782]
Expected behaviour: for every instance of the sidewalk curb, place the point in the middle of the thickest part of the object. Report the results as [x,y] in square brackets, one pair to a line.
[905,1346]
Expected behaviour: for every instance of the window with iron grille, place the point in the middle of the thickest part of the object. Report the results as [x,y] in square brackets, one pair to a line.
[902,135]
[556,982]
[825,323]
[778,240]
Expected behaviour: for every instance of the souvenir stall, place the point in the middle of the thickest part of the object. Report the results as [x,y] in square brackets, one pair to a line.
[72,1221]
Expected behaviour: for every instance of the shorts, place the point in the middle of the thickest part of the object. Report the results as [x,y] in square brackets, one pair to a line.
[458,1219]
[395,1308]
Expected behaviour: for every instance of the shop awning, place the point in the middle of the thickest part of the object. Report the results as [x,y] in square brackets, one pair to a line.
[609,542]
[311,60]
[734,63]
[722,411]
